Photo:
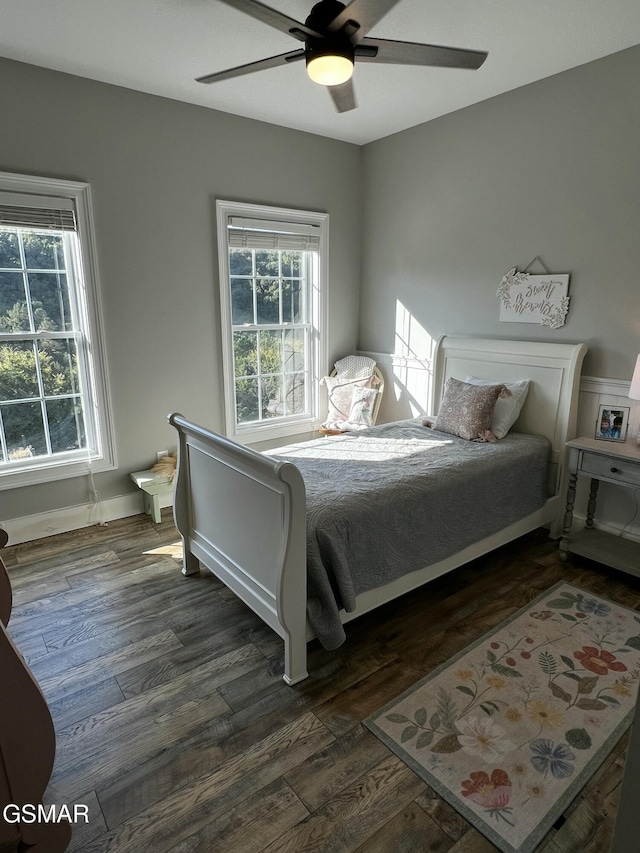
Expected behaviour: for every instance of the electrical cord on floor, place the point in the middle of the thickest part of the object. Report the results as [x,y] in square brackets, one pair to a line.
[95,501]
[635,514]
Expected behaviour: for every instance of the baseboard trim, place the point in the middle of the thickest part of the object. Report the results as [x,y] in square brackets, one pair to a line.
[37,526]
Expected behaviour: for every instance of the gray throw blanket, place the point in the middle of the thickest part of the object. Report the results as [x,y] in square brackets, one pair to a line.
[398,497]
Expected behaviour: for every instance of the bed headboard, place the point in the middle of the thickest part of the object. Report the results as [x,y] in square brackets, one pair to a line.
[551,406]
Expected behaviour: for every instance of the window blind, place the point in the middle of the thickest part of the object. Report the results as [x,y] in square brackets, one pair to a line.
[19,210]
[245,233]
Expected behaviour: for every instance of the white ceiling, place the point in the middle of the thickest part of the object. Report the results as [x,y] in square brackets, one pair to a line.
[160,46]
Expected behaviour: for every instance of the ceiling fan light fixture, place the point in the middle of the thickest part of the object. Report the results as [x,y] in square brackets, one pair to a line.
[329,65]
[333,34]
[330,70]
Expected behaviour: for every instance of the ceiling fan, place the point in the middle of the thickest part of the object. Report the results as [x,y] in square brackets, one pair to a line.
[334,37]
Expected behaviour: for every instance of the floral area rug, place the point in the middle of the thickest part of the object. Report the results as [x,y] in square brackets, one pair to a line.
[511,729]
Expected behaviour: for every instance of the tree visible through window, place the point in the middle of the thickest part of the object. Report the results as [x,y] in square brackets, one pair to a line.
[53,397]
[40,393]
[270,332]
[272,266]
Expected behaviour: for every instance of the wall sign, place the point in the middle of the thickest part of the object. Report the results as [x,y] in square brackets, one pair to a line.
[526,298]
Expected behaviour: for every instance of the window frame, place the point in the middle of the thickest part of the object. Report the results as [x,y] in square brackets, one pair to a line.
[98,420]
[290,425]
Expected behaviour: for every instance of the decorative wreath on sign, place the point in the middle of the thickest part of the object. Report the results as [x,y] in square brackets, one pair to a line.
[511,278]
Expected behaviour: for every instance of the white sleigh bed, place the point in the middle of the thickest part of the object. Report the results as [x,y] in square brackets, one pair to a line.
[243,514]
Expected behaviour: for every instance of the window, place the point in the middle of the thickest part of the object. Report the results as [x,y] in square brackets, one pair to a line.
[273,298]
[53,395]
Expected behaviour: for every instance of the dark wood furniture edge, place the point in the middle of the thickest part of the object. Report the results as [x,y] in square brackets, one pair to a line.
[27,743]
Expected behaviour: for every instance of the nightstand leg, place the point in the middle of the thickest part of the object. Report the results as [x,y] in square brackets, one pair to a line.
[152,507]
[568,516]
[591,506]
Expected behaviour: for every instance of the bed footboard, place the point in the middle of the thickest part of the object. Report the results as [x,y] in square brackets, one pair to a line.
[242,515]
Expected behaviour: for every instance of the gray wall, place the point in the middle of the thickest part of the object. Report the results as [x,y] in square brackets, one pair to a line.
[155,167]
[550,169]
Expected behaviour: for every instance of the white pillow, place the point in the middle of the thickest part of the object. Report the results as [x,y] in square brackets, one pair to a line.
[362,403]
[355,367]
[508,408]
[340,396]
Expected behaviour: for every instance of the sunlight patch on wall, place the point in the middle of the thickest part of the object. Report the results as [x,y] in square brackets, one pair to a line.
[412,361]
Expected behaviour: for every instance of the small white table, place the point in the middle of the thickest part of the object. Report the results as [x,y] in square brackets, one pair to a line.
[609,462]
[152,485]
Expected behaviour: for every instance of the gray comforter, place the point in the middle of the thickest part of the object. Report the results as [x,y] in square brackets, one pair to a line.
[399,497]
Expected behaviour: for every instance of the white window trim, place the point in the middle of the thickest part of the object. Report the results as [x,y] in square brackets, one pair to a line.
[268,430]
[48,469]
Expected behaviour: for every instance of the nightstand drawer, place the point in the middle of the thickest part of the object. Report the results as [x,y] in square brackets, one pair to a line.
[624,470]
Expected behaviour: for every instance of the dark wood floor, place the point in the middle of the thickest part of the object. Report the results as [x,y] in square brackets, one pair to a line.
[175,727]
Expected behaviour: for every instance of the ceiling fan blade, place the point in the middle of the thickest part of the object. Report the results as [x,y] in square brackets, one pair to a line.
[364,14]
[410,53]
[343,96]
[260,65]
[273,18]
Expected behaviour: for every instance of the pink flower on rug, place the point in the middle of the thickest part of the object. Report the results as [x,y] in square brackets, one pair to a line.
[599,661]
[490,792]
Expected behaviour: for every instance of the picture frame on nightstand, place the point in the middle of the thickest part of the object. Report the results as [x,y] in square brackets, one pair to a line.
[612,423]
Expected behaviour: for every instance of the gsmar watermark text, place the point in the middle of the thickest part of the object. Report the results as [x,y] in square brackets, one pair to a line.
[37,813]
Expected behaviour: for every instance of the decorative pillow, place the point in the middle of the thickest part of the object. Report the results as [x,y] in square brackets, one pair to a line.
[361,412]
[466,409]
[340,393]
[355,367]
[508,406]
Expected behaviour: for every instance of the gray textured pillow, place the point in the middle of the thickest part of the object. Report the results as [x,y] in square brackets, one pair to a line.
[466,409]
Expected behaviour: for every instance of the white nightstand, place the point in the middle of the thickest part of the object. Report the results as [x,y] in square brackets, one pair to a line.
[611,462]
